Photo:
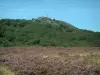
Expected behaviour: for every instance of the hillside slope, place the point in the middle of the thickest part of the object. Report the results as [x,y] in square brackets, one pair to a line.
[44,31]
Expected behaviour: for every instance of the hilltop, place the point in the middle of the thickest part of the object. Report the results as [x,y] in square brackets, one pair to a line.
[45,31]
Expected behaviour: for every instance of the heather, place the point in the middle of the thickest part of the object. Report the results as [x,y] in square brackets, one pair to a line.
[51,60]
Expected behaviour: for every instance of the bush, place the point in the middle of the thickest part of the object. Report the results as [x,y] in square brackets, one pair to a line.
[5,43]
[25,32]
[33,42]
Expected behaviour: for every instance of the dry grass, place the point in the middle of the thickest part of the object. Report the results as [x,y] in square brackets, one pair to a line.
[52,60]
[4,70]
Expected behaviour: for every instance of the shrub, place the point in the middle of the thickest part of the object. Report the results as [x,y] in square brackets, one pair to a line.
[33,42]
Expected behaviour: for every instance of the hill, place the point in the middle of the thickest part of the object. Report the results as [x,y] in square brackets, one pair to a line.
[44,31]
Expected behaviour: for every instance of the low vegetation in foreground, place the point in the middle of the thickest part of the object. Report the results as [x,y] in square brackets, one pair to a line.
[45,31]
[4,70]
[50,61]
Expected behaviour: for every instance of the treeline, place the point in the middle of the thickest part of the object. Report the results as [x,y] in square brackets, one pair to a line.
[44,31]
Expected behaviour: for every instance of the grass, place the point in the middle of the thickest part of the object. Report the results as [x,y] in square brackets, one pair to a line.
[4,70]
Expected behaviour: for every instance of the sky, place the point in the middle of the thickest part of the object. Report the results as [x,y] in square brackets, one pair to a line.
[84,14]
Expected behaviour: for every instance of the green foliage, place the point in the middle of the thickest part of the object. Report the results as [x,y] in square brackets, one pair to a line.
[48,43]
[46,32]
[33,42]
[4,42]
